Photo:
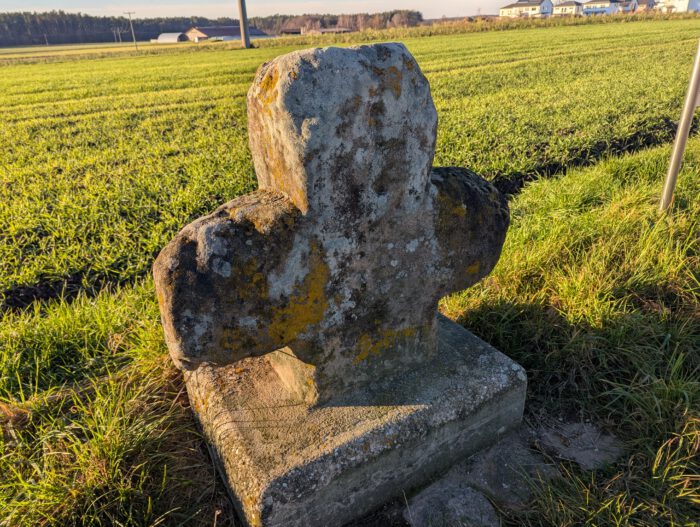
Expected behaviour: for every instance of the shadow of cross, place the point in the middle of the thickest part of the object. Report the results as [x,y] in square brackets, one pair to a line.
[340,258]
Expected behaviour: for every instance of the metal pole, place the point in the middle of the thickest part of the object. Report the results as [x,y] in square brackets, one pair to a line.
[691,102]
[245,39]
[133,35]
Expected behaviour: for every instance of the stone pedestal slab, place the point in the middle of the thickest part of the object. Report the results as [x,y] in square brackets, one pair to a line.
[290,463]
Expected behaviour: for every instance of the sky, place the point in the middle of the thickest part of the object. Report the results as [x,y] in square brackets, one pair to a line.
[218,8]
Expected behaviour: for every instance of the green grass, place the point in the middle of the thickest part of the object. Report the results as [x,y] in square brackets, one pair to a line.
[103,160]
[96,426]
[596,294]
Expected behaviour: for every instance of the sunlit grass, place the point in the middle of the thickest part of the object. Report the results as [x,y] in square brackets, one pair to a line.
[103,160]
[596,294]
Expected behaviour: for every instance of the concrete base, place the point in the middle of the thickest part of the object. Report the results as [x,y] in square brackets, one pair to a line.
[288,463]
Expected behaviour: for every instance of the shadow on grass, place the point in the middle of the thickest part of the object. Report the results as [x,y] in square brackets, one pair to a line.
[638,371]
[656,134]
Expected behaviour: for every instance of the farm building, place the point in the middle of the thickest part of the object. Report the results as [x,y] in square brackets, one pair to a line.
[171,38]
[527,9]
[200,34]
[645,5]
[627,7]
[601,7]
[324,30]
[570,8]
[678,6]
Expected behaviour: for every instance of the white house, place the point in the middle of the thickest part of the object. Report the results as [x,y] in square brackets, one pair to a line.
[527,9]
[678,6]
[569,8]
[601,7]
[628,7]
[645,5]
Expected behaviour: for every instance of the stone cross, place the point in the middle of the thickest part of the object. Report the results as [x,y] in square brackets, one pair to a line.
[340,258]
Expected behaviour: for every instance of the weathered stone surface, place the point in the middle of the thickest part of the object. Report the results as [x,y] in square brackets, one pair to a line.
[503,473]
[583,443]
[450,503]
[506,471]
[305,314]
[344,252]
[291,463]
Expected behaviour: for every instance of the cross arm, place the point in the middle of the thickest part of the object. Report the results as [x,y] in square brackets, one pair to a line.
[471,220]
[212,282]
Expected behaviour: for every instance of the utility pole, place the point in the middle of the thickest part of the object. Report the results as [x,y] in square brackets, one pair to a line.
[692,99]
[131,25]
[245,39]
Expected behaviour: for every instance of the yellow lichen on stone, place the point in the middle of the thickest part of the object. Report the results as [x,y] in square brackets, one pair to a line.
[268,86]
[251,503]
[237,341]
[374,344]
[474,268]
[448,208]
[252,284]
[281,180]
[307,304]
[296,193]
[390,78]
[393,80]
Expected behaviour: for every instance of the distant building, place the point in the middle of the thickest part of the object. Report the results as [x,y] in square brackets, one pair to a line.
[601,7]
[170,38]
[627,7]
[645,5]
[527,9]
[324,30]
[569,8]
[678,6]
[200,34]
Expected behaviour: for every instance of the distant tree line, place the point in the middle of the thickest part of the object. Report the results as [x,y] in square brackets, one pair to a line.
[399,18]
[59,27]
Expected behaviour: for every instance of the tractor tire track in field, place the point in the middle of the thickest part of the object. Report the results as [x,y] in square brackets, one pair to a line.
[90,283]
[511,184]
[87,282]
[514,110]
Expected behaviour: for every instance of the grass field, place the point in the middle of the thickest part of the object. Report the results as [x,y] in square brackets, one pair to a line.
[103,159]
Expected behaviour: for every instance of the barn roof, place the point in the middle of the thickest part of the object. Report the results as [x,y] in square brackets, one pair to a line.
[524,3]
[171,37]
[227,31]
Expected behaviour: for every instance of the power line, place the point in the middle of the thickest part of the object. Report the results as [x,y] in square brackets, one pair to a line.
[133,35]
